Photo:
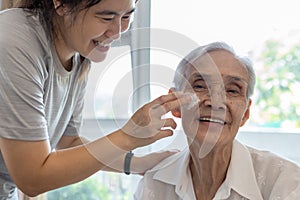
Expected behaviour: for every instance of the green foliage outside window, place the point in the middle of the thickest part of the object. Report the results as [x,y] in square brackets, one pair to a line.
[277,88]
[106,187]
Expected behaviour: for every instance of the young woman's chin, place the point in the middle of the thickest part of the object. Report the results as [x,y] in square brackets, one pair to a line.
[97,57]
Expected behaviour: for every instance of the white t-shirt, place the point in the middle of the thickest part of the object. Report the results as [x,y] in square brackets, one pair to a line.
[252,174]
[39,99]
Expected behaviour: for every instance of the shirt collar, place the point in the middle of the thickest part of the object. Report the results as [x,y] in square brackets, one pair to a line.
[175,171]
[240,174]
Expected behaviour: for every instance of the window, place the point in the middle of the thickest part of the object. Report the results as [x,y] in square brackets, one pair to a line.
[110,86]
[267,31]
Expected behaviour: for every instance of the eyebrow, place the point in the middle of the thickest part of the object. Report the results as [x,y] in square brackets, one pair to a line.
[110,12]
[236,78]
[201,76]
[207,77]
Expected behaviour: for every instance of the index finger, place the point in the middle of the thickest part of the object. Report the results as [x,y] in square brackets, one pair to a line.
[166,98]
[172,104]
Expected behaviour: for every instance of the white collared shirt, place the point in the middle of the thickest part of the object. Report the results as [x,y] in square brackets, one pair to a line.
[252,174]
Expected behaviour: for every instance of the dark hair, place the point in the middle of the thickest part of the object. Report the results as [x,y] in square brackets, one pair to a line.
[45,9]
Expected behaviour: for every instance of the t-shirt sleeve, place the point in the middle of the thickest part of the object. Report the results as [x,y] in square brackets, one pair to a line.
[22,113]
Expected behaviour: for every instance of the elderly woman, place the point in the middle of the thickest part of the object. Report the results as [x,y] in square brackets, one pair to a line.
[216,166]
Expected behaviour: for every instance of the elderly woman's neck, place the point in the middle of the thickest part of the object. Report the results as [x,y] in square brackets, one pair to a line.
[209,172]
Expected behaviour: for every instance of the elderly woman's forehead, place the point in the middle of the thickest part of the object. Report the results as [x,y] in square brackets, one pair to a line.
[216,58]
[206,65]
[208,56]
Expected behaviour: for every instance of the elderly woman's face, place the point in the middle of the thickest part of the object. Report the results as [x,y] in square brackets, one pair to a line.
[220,82]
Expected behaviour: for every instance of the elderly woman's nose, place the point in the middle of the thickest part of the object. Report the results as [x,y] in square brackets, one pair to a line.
[216,97]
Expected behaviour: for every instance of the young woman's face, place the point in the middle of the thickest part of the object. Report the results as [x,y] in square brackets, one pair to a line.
[92,30]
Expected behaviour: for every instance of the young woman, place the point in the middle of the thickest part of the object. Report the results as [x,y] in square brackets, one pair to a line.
[45,51]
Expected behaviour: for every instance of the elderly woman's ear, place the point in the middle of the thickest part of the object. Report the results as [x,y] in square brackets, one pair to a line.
[176,112]
[246,114]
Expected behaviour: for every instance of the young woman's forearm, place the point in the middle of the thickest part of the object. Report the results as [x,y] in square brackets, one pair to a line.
[43,170]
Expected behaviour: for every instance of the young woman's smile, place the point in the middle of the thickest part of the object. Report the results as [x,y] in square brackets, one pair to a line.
[93,30]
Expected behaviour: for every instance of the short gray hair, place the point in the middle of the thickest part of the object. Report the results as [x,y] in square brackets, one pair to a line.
[202,50]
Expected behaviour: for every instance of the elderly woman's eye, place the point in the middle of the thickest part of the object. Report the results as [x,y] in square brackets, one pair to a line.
[198,86]
[233,91]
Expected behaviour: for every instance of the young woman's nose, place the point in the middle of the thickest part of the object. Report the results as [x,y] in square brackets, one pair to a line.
[116,28]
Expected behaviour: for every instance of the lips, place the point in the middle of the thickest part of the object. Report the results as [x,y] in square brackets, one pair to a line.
[213,120]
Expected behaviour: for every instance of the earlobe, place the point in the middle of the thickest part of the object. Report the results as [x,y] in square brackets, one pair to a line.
[59,7]
[176,112]
[56,4]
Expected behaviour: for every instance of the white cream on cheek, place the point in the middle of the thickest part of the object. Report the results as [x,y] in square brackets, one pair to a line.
[194,101]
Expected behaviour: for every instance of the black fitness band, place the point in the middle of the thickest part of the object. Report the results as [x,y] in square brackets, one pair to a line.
[127,162]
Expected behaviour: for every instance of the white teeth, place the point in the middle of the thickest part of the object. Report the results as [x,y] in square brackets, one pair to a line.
[100,43]
[96,43]
[212,120]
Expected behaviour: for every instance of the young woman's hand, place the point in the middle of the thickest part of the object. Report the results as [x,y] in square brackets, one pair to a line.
[147,125]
